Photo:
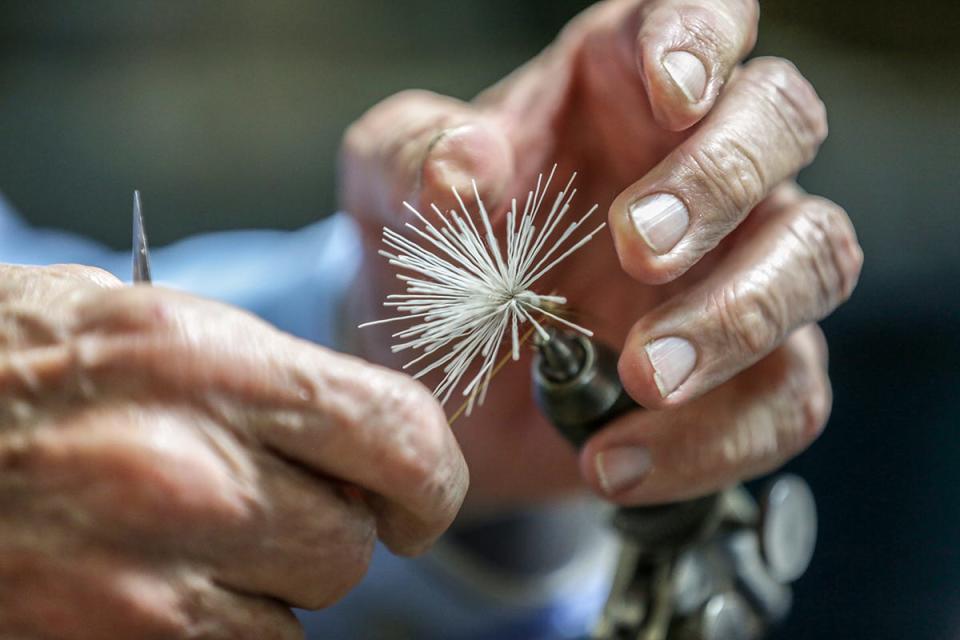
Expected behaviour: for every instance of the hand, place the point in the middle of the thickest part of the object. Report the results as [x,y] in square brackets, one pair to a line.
[175,468]
[718,264]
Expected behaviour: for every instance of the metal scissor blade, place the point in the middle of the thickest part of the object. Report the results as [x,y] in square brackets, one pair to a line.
[141,253]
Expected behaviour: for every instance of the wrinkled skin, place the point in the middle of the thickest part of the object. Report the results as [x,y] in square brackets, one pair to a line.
[760,262]
[174,468]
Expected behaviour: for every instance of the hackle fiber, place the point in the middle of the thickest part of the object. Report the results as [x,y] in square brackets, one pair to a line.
[466,293]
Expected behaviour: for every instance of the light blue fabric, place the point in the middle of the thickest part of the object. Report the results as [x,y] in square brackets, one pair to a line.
[296,280]
[428,599]
[292,279]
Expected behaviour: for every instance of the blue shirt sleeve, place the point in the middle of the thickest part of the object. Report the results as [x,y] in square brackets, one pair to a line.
[293,279]
[296,280]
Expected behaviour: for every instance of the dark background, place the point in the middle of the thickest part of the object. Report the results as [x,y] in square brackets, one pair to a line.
[228,114]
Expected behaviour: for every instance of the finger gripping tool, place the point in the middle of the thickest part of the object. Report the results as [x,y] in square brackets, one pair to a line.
[716,567]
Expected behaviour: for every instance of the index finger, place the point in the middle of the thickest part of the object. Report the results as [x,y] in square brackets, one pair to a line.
[333,414]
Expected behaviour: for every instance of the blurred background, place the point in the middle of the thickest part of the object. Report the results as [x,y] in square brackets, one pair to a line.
[228,114]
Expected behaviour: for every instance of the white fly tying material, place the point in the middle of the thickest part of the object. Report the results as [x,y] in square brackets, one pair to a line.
[468,293]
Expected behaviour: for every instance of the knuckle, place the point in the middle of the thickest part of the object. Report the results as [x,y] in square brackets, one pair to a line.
[427,463]
[145,309]
[816,408]
[410,96]
[831,250]
[362,138]
[749,319]
[353,139]
[422,448]
[792,101]
[364,120]
[805,408]
[129,309]
[711,32]
[354,136]
[401,410]
[790,413]
[358,134]
[730,174]
[846,249]
[418,405]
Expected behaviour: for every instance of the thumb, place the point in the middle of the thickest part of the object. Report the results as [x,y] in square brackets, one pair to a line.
[415,146]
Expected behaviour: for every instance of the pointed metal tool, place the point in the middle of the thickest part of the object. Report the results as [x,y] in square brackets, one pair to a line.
[141,252]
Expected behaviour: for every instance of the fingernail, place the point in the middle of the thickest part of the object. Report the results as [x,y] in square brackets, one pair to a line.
[661,220]
[672,360]
[622,468]
[687,72]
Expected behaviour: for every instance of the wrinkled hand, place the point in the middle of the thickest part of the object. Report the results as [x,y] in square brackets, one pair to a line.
[718,264]
[175,468]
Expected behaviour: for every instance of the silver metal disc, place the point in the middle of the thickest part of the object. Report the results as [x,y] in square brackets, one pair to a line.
[788,528]
[693,581]
[727,616]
